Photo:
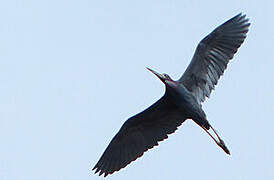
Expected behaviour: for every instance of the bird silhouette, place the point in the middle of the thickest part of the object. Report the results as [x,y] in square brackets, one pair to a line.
[182,99]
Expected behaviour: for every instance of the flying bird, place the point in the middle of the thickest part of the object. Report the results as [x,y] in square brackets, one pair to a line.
[182,99]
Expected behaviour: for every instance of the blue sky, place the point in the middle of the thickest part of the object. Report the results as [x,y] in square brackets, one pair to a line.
[71,72]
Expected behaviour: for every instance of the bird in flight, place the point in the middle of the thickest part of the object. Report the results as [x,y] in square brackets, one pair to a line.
[182,99]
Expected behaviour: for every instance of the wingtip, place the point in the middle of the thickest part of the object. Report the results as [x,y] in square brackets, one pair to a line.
[97,170]
[100,173]
[240,14]
[93,168]
[243,16]
[105,175]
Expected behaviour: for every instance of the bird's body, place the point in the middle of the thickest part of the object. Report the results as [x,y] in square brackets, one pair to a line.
[182,99]
[186,103]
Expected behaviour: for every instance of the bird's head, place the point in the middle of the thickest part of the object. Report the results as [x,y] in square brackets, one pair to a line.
[163,77]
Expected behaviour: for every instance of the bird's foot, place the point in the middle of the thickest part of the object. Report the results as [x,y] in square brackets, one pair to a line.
[223,146]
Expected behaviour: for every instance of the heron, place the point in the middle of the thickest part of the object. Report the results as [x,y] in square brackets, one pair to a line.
[182,99]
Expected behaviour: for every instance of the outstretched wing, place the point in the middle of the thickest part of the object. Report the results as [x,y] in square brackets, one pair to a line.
[212,56]
[138,134]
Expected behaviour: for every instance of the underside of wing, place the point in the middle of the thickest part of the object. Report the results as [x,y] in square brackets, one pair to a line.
[138,134]
[212,56]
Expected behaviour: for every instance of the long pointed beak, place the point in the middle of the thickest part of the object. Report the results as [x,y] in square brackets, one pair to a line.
[160,76]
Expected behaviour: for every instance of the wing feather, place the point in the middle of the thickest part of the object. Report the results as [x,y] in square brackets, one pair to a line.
[212,56]
[138,134]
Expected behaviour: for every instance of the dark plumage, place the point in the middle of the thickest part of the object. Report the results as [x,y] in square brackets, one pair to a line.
[182,99]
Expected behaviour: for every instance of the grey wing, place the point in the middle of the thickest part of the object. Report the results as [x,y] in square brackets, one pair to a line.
[212,56]
[138,134]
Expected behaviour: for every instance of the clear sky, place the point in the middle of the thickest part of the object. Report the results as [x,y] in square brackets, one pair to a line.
[71,72]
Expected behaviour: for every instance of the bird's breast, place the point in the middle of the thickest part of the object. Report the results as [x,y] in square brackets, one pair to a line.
[184,100]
